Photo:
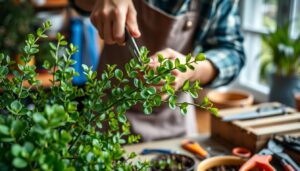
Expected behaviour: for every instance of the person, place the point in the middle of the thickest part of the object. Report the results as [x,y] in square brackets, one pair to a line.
[172,28]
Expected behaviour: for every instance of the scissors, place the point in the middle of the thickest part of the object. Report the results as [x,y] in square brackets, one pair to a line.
[263,158]
[131,44]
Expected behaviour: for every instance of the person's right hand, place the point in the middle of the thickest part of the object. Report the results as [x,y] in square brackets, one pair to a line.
[110,18]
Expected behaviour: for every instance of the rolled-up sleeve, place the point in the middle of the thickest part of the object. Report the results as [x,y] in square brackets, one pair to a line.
[222,42]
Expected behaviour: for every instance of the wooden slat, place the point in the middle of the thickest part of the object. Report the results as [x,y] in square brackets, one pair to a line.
[233,111]
[269,120]
[295,134]
[289,127]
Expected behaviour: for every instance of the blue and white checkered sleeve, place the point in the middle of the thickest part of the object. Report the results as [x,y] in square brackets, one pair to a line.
[223,42]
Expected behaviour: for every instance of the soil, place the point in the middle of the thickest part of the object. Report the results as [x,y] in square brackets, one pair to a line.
[173,162]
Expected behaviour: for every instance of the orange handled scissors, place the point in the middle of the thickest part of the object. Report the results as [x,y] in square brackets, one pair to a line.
[194,148]
[258,161]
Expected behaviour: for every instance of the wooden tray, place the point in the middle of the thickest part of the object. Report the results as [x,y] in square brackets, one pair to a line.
[254,133]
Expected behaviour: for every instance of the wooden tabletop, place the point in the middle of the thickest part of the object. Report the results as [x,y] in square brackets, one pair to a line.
[212,146]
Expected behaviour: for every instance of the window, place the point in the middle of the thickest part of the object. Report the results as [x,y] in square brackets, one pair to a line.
[259,17]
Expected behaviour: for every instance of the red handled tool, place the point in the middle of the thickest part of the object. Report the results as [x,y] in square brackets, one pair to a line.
[241,152]
[258,161]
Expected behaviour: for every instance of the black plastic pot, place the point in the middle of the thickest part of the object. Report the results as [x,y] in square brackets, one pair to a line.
[173,162]
[283,89]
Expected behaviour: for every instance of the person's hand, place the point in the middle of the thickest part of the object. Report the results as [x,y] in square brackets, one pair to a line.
[110,18]
[180,76]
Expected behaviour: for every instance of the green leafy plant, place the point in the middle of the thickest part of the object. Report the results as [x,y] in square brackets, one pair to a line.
[79,128]
[282,54]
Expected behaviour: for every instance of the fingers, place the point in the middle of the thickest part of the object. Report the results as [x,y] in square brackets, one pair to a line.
[119,25]
[108,37]
[110,18]
[131,21]
[166,53]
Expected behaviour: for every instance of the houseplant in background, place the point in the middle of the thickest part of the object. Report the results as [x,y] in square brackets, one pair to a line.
[17,20]
[79,128]
[281,60]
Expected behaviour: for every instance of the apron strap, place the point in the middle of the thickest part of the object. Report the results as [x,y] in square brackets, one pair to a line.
[194,5]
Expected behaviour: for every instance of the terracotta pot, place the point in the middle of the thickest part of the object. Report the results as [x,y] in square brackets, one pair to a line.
[230,99]
[229,161]
[297,101]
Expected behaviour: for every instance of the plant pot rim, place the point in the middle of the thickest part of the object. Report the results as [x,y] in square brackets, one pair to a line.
[219,160]
[244,97]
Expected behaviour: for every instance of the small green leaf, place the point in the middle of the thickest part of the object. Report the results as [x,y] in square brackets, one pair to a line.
[4,130]
[186,85]
[190,66]
[118,74]
[188,58]
[85,67]
[172,102]
[181,68]
[47,64]
[63,43]
[213,110]
[148,110]
[200,57]
[177,62]
[157,100]
[169,64]
[122,118]
[183,108]
[19,163]
[160,58]
[132,155]
[151,90]
[16,106]
[39,118]
[193,93]
[52,46]
[16,149]
[133,74]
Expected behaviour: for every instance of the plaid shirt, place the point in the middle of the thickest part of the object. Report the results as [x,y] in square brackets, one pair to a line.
[218,35]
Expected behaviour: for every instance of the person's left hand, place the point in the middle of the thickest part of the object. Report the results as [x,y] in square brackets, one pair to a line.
[180,76]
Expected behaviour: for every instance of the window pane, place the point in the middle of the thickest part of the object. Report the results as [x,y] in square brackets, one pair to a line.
[269,14]
[260,14]
[296,19]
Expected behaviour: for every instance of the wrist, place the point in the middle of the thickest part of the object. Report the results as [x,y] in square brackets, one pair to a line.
[204,71]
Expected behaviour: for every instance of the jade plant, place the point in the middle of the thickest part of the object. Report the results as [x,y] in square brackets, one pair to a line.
[66,127]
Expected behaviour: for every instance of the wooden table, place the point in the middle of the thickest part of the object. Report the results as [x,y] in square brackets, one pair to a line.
[212,146]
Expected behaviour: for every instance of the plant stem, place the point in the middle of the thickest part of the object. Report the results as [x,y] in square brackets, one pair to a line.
[76,139]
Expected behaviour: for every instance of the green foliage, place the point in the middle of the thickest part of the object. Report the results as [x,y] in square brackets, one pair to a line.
[282,55]
[78,128]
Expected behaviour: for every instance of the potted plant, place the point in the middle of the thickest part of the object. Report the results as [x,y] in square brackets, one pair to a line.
[283,62]
[78,128]
[173,162]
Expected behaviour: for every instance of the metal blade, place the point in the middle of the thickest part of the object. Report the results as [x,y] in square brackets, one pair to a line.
[131,44]
[254,114]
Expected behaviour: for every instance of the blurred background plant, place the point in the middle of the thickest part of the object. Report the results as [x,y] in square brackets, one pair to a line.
[17,20]
[280,64]
[281,55]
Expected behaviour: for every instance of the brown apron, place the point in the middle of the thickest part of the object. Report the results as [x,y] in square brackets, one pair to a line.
[159,31]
